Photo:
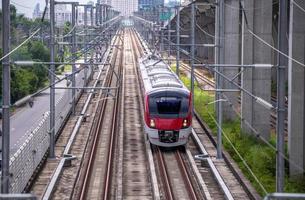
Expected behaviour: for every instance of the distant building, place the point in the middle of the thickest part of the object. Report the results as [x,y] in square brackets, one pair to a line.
[172,3]
[108,2]
[126,8]
[63,14]
[150,4]
[37,13]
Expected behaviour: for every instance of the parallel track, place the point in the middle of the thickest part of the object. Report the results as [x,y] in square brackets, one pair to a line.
[105,105]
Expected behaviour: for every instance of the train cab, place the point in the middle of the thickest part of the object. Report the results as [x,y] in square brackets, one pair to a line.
[168,115]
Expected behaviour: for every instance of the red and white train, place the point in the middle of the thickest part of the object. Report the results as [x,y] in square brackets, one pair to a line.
[168,112]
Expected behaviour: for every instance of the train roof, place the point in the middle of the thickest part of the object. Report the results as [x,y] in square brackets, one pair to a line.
[157,74]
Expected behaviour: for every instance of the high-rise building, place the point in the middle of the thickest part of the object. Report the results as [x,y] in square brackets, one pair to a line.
[108,2]
[150,4]
[63,14]
[37,13]
[126,7]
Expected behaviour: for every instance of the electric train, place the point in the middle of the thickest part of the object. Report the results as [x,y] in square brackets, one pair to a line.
[168,112]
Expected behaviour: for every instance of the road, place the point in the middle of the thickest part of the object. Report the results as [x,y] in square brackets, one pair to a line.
[27,118]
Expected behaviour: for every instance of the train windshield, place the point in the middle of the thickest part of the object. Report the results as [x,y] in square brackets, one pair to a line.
[169,105]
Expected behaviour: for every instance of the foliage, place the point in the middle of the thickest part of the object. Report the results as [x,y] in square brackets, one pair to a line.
[39,51]
[26,80]
[23,83]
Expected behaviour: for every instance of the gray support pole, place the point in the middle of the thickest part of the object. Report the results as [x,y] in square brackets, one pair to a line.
[96,14]
[162,32]
[52,80]
[283,62]
[296,92]
[178,41]
[73,56]
[101,14]
[192,52]
[219,55]
[169,37]
[6,75]
[85,43]
[91,16]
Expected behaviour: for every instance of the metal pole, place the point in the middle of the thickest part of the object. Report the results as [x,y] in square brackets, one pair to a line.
[6,75]
[169,36]
[219,59]
[192,52]
[282,60]
[85,42]
[178,41]
[91,15]
[102,15]
[52,80]
[73,57]
[96,13]
[162,33]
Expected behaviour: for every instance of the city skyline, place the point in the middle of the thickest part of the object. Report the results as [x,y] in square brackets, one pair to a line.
[27,9]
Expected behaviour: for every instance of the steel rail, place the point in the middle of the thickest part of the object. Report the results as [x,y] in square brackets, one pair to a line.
[107,181]
[186,175]
[164,175]
[48,192]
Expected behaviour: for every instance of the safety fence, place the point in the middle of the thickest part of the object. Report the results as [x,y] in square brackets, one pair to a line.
[25,160]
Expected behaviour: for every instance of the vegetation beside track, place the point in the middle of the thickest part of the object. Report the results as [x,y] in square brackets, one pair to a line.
[260,158]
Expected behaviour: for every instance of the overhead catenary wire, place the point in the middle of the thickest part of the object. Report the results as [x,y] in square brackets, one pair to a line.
[20,45]
[23,6]
[29,38]
[68,34]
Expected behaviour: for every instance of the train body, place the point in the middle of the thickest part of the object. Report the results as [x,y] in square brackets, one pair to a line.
[167,103]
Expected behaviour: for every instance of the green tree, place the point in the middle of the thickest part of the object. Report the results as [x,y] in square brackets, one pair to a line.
[39,51]
[23,82]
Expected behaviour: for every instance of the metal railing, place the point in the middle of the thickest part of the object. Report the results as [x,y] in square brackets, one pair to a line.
[284,196]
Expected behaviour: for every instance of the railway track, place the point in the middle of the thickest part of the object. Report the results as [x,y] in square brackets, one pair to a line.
[74,140]
[178,183]
[174,182]
[117,162]
[134,176]
[181,177]
[97,172]
[117,166]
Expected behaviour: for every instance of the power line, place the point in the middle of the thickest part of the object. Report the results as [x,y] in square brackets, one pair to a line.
[20,45]
[17,4]
[266,43]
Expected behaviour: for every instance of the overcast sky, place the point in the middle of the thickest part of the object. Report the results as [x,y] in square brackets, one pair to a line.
[27,6]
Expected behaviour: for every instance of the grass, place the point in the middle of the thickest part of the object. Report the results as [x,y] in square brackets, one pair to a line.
[68,68]
[260,158]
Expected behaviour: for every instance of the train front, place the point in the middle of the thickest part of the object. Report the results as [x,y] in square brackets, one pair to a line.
[168,117]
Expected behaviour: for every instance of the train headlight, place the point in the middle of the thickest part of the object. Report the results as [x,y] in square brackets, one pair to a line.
[185,123]
[152,123]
